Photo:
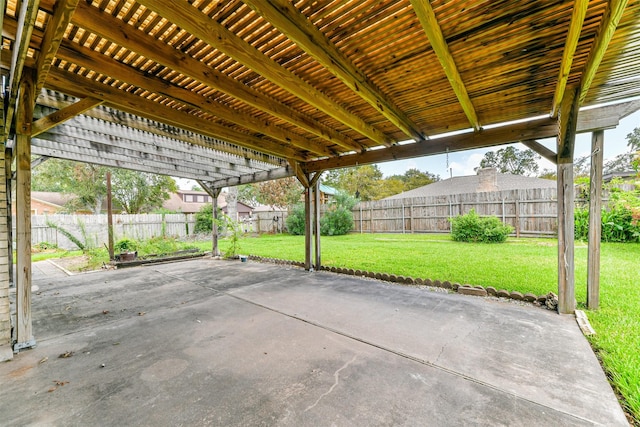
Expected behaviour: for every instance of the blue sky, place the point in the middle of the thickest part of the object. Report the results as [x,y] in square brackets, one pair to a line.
[463,162]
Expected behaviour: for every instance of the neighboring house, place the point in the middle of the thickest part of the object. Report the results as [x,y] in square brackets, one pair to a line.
[629,179]
[327,193]
[190,201]
[486,180]
[47,202]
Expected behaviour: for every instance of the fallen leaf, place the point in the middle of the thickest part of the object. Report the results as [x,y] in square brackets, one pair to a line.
[44,359]
[142,313]
[105,311]
[66,354]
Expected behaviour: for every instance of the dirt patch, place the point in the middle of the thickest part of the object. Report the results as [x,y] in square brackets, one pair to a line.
[75,263]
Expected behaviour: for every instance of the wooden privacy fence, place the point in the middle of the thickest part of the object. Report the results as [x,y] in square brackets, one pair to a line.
[530,212]
[91,230]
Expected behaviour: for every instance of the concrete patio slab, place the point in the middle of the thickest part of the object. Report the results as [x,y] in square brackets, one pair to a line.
[209,342]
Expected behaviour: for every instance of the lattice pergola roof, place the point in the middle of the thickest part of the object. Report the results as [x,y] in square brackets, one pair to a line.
[235,91]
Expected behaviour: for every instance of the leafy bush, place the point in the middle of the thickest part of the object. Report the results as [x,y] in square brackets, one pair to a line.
[158,246]
[295,221]
[204,220]
[126,245]
[474,228]
[336,222]
[620,218]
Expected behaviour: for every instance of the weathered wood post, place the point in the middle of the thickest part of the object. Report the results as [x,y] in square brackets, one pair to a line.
[316,215]
[595,220]
[110,218]
[24,117]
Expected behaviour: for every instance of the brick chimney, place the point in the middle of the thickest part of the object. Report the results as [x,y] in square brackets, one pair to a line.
[487,179]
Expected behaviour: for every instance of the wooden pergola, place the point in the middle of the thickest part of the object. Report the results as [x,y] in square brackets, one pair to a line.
[231,92]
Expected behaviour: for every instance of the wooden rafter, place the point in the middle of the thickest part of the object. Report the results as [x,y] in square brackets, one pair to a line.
[608,25]
[575,28]
[201,26]
[122,34]
[429,22]
[567,125]
[541,149]
[95,61]
[285,17]
[26,21]
[45,123]
[254,177]
[299,173]
[78,86]
[166,136]
[52,37]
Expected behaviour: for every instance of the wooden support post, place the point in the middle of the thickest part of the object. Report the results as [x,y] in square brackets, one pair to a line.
[24,117]
[215,250]
[110,217]
[316,204]
[595,220]
[307,228]
[567,122]
[6,260]
[8,160]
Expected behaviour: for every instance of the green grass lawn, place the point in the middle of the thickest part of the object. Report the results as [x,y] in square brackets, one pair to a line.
[524,265]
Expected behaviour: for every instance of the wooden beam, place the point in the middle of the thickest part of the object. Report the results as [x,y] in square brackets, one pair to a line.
[541,128]
[254,177]
[26,21]
[595,221]
[608,25]
[78,86]
[283,15]
[541,149]
[297,171]
[45,123]
[190,19]
[605,117]
[53,34]
[431,26]
[124,35]
[93,60]
[573,36]
[24,331]
[567,126]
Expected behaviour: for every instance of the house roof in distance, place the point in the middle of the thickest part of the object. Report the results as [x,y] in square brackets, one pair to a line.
[486,180]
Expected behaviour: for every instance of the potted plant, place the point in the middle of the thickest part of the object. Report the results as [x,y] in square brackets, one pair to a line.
[127,249]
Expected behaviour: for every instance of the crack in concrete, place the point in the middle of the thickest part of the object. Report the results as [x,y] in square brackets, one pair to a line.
[336,377]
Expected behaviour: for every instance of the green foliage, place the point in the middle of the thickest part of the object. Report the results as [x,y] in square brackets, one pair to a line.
[511,160]
[126,245]
[633,140]
[234,233]
[158,246]
[204,220]
[44,246]
[336,222]
[295,220]
[280,192]
[474,228]
[67,234]
[620,217]
[139,192]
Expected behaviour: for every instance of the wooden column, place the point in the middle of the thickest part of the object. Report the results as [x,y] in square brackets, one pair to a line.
[6,261]
[316,215]
[215,193]
[595,220]
[567,122]
[110,217]
[307,228]
[24,117]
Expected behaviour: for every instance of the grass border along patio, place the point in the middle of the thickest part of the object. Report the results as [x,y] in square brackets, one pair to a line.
[524,265]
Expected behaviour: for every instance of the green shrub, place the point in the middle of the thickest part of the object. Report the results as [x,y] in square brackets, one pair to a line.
[204,220]
[336,222]
[295,221]
[474,228]
[126,245]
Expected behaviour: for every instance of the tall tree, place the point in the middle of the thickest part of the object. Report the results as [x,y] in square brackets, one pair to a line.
[284,192]
[633,140]
[363,181]
[511,160]
[139,192]
[84,181]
